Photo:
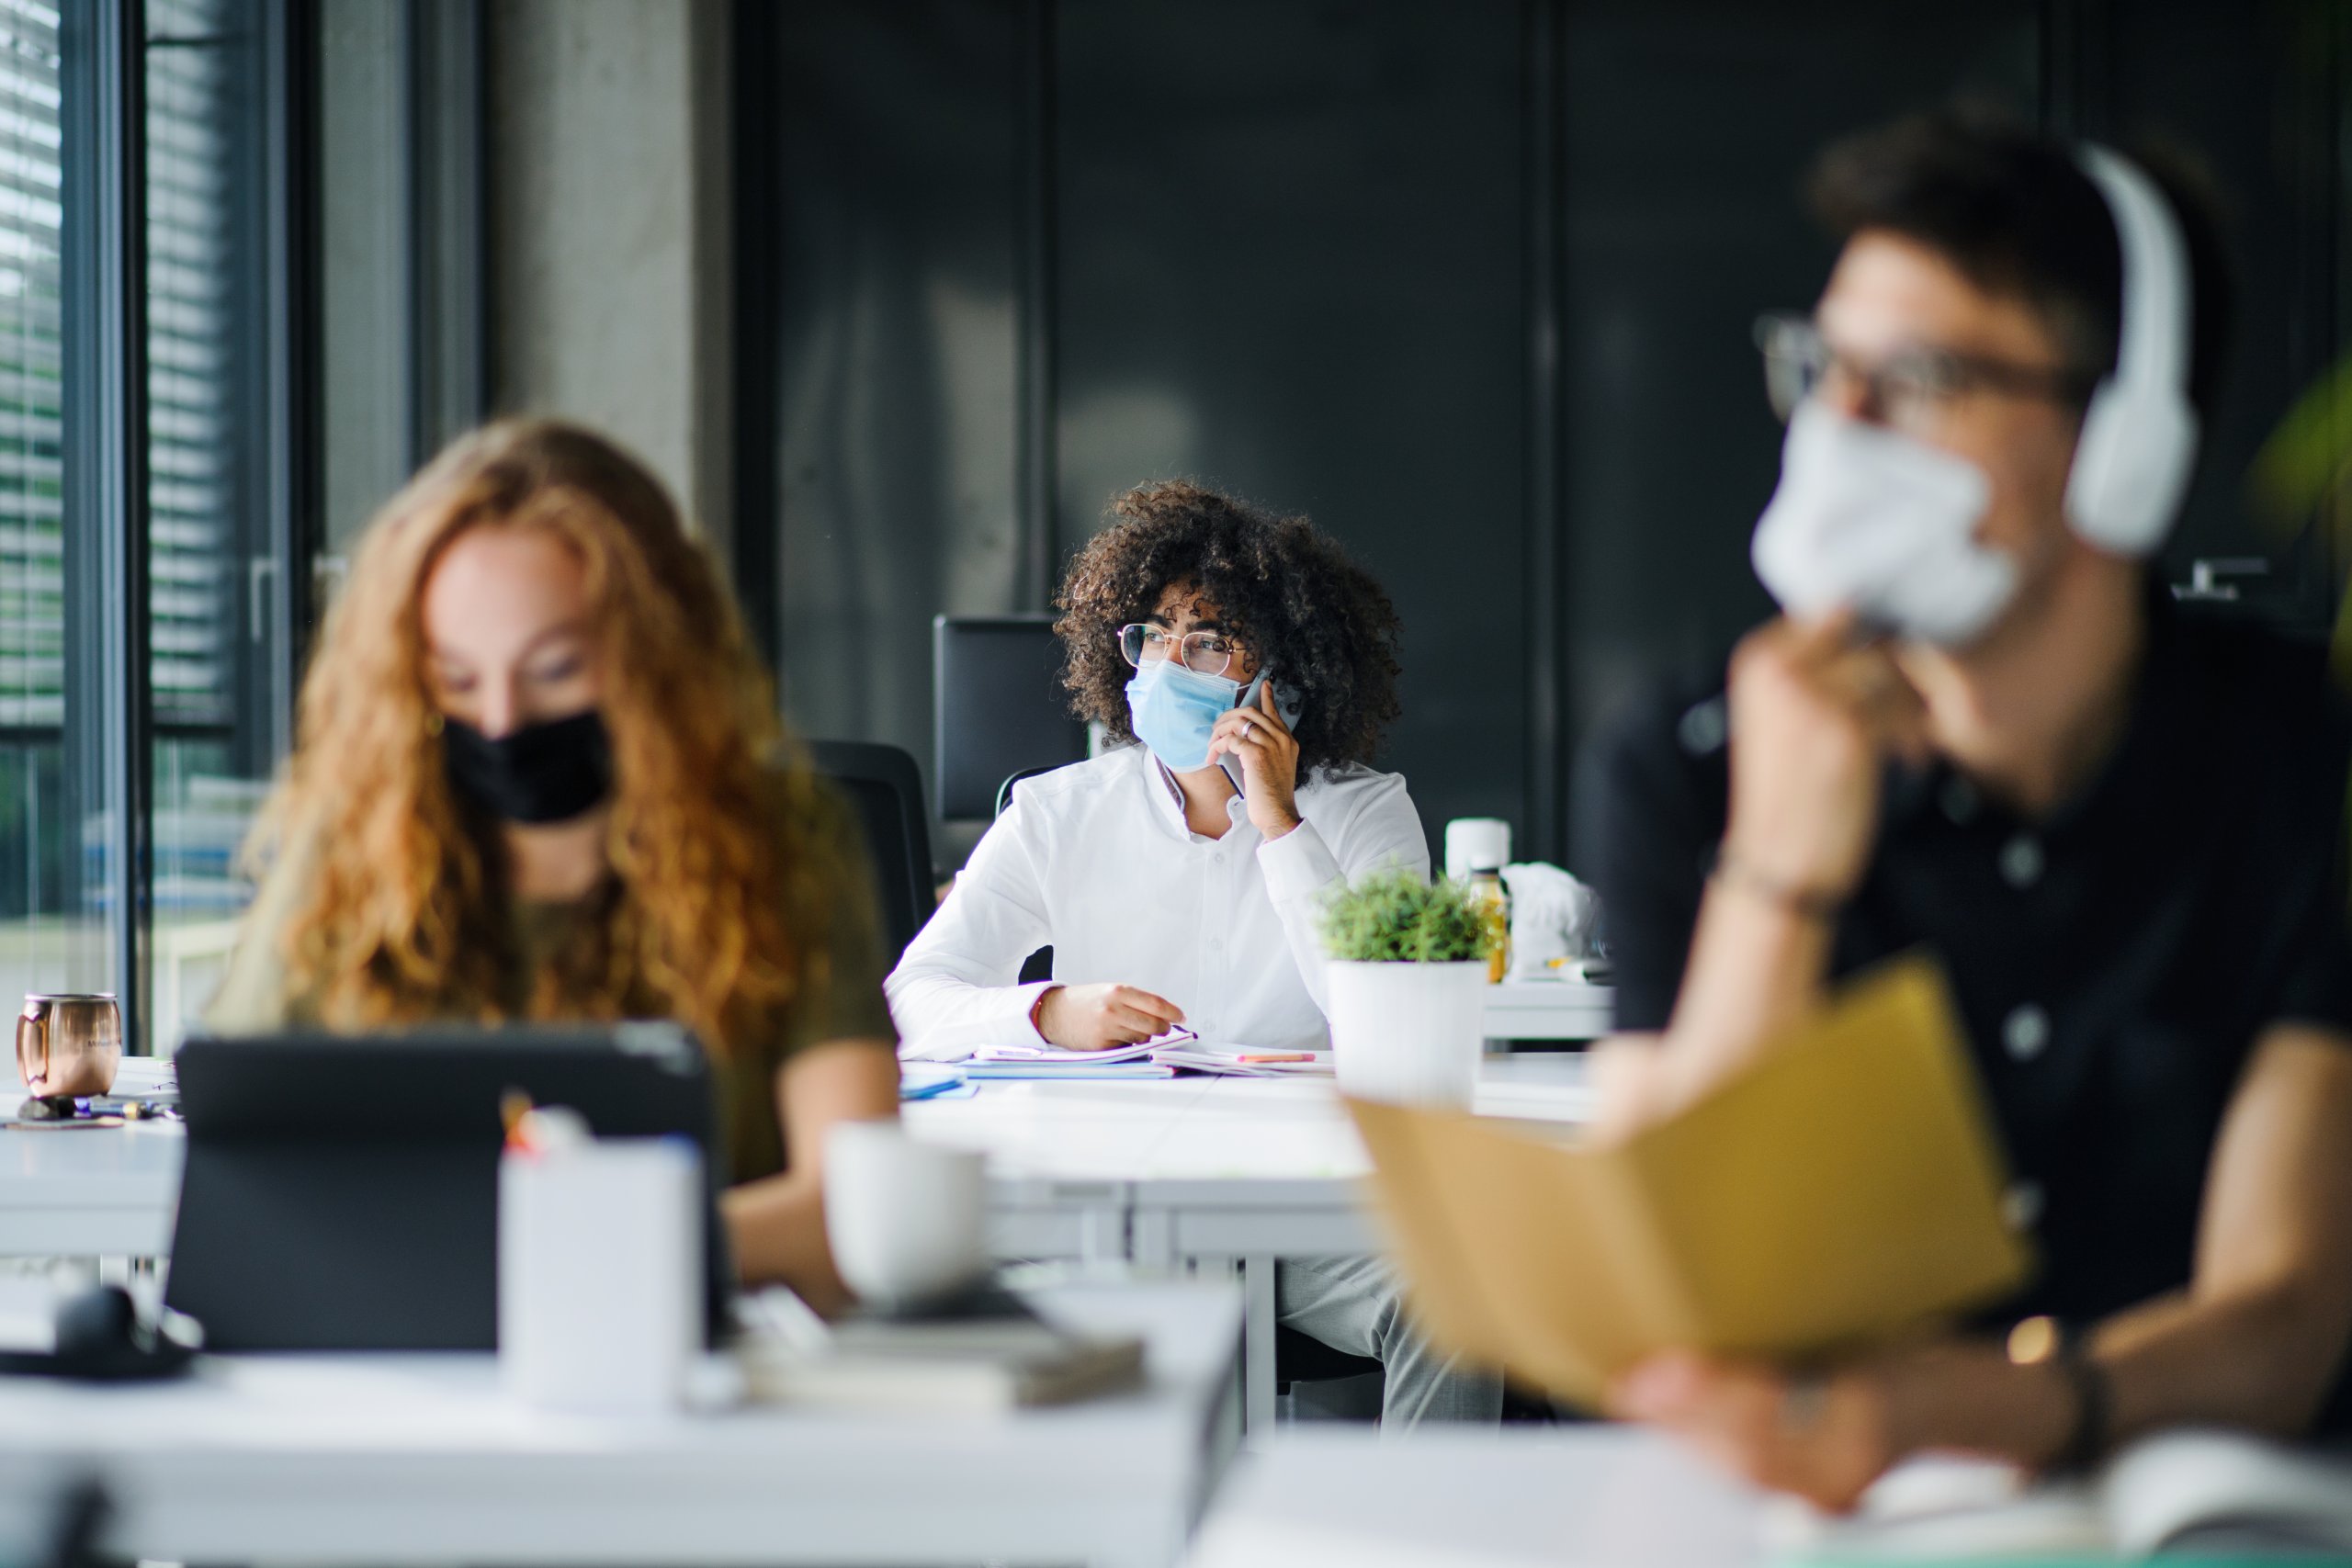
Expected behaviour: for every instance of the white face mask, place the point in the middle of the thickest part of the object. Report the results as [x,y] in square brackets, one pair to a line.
[1883,524]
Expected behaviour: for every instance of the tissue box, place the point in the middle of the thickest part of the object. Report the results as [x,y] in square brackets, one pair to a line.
[600,1274]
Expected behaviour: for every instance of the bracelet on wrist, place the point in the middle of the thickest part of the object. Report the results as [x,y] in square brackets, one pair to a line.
[1809,903]
[1037,1013]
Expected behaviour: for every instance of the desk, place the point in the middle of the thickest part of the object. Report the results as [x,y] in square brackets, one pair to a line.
[1201,1175]
[418,1460]
[1559,1498]
[103,1192]
[1159,1170]
[1549,1009]
[1190,1174]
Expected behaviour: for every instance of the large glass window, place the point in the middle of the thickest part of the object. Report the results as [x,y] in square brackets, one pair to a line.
[144,222]
[53,933]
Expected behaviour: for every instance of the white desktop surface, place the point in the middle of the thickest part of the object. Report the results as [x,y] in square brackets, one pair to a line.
[1196,1129]
[88,1191]
[401,1458]
[1574,1497]
[1066,1156]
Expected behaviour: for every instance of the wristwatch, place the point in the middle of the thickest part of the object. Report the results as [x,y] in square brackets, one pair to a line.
[2037,1341]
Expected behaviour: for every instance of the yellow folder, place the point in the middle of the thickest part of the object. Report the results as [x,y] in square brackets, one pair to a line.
[1844,1189]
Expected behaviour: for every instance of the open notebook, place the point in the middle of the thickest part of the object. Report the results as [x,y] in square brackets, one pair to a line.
[1034,1051]
[1163,1056]
[1844,1189]
[2205,1493]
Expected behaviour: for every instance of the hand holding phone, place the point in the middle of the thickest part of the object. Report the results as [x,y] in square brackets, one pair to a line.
[1257,736]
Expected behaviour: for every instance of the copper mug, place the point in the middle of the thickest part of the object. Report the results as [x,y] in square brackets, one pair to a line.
[69,1045]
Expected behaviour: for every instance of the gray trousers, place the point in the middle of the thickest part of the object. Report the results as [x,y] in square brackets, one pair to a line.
[1356,1304]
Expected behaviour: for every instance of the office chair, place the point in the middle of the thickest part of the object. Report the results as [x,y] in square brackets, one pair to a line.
[884,787]
[1004,790]
[998,707]
[1302,1358]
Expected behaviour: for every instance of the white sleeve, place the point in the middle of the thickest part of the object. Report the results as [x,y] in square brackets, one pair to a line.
[956,986]
[1384,830]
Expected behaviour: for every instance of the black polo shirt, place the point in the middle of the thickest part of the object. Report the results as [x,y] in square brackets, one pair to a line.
[2114,963]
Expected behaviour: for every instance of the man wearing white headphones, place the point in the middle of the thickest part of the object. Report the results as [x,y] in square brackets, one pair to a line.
[1981,726]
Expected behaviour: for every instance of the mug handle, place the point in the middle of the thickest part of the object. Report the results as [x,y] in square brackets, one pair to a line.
[32,1044]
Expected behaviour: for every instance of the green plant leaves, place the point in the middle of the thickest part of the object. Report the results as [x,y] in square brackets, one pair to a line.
[1395,916]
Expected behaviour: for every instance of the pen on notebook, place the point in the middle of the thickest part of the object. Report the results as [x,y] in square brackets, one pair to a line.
[1275,1057]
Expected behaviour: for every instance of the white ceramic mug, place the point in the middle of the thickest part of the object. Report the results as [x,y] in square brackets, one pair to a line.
[906,1219]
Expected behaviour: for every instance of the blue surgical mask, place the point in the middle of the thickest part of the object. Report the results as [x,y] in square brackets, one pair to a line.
[1173,709]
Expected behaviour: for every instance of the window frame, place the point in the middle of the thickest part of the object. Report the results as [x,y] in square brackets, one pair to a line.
[111,725]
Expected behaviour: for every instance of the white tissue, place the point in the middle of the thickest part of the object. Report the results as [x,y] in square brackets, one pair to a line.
[1551,915]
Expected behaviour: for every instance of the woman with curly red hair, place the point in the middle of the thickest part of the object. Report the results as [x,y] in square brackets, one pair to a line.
[1251,668]
[538,776]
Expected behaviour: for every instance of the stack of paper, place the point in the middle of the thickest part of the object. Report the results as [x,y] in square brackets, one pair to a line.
[1053,1062]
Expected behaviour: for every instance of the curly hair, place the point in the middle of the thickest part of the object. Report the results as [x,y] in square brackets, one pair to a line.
[1314,617]
[720,867]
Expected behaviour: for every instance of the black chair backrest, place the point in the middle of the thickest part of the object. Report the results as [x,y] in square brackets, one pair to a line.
[1039,965]
[998,707]
[883,785]
[1004,790]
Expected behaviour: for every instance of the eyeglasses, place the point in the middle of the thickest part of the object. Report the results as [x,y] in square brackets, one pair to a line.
[1909,389]
[1205,653]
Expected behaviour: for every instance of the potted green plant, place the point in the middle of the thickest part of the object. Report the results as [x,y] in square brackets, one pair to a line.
[1406,986]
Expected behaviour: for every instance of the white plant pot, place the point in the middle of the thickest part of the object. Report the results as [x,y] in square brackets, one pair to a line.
[1407,1033]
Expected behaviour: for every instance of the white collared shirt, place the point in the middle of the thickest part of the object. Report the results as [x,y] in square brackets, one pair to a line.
[1095,860]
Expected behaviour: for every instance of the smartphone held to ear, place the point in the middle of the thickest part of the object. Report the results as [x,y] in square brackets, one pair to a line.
[1287,702]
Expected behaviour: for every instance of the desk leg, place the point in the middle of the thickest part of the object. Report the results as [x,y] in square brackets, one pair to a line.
[1151,1243]
[1102,1235]
[1257,1346]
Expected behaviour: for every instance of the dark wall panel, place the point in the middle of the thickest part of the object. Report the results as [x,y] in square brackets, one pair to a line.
[1689,129]
[1288,254]
[1004,258]
[2245,94]
[892,225]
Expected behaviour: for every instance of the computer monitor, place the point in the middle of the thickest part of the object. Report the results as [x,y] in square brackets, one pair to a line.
[999,707]
[341,1192]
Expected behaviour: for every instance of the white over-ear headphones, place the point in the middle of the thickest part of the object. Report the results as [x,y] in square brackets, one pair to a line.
[2139,440]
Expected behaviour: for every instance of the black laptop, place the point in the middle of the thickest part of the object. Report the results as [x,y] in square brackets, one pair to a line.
[341,1192]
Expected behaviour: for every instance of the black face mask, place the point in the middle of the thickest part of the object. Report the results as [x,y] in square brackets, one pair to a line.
[539,774]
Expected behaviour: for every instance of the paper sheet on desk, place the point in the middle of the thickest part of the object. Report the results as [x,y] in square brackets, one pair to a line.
[1244,1061]
[1845,1188]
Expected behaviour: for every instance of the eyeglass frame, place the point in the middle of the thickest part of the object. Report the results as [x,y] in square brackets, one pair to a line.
[1959,374]
[1147,628]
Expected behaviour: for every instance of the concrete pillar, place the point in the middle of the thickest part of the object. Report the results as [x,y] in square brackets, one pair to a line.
[610,229]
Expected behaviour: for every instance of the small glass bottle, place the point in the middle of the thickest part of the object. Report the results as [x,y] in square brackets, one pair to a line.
[1486,887]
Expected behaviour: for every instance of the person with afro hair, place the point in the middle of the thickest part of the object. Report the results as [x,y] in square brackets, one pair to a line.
[1246,669]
